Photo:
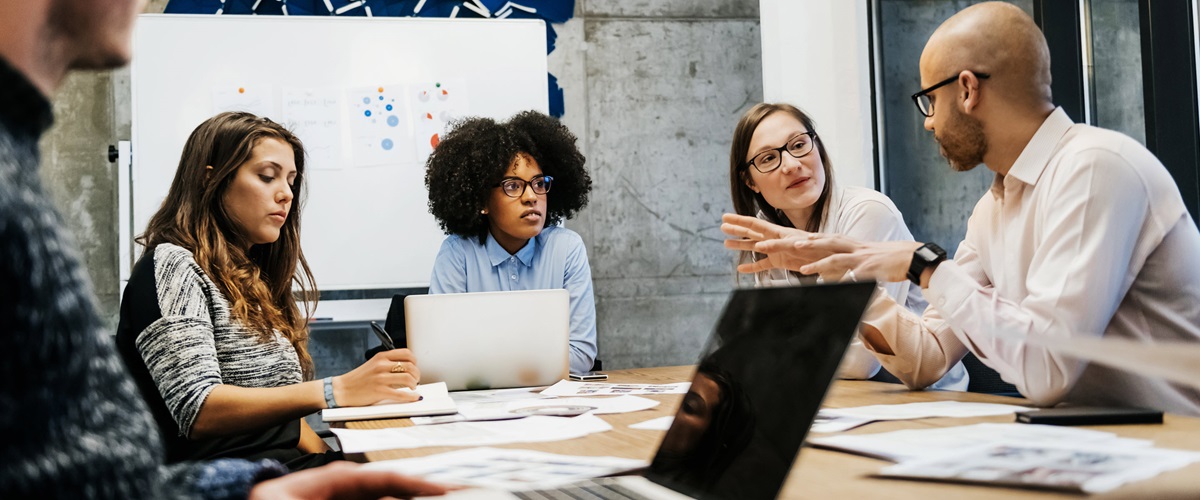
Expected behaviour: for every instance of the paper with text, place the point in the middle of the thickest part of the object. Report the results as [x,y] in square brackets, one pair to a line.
[898,446]
[569,388]
[315,116]
[257,99]
[1094,468]
[924,410]
[530,429]
[505,469]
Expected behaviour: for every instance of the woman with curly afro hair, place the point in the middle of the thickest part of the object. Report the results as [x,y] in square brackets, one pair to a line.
[490,190]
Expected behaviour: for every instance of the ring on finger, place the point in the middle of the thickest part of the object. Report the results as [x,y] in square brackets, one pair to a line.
[399,368]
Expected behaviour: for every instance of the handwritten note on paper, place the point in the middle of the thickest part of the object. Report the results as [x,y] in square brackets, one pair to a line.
[315,116]
[380,132]
[435,105]
[257,99]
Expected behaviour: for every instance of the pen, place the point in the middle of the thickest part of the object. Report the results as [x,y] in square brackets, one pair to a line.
[383,336]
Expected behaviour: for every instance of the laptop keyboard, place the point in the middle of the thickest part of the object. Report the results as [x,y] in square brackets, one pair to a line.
[604,489]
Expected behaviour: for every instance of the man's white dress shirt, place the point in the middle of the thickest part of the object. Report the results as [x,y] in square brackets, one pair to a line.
[867,215]
[1086,236]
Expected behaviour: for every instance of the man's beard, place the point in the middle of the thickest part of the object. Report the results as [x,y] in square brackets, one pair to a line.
[99,40]
[962,142]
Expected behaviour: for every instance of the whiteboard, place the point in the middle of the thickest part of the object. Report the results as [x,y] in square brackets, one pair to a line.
[366,223]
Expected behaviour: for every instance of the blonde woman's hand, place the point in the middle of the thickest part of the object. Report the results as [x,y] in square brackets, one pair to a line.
[776,242]
[885,261]
[380,380]
[750,230]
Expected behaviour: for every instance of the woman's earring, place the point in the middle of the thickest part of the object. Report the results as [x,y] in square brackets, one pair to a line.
[484,211]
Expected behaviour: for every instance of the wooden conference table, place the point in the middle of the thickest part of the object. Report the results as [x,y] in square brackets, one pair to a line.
[822,474]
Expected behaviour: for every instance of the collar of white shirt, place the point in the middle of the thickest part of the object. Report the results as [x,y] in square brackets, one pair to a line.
[1037,153]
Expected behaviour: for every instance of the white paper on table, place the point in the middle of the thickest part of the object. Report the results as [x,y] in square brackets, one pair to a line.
[917,444]
[603,406]
[530,429]
[924,410]
[496,395]
[654,424]
[506,469]
[569,388]
[1088,468]
[506,410]
[836,423]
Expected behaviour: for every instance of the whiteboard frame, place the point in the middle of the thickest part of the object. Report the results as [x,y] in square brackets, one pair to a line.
[504,75]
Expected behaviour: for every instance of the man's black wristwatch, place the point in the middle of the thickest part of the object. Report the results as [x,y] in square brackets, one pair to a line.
[929,255]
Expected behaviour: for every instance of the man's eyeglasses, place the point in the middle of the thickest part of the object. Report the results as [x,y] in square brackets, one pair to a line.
[514,187]
[798,146]
[925,103]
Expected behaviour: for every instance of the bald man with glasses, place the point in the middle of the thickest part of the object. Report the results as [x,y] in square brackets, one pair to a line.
[1082,234]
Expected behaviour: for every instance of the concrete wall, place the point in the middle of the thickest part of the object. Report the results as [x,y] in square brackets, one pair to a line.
[80,179]
[653,89]
[664,83]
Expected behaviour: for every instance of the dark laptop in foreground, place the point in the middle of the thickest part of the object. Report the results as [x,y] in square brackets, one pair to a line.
[756,391]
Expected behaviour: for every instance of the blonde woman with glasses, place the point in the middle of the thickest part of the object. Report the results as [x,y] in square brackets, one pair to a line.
[780,172]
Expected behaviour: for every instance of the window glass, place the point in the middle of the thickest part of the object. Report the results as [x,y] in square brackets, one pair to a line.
[1117,100]
[935,201]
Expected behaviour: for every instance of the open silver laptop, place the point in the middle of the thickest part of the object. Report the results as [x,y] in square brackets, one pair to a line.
[756,391]
[490,340]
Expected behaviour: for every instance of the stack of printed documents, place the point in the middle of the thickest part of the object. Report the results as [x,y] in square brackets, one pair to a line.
[505,469]
[1026,455]
[503,416]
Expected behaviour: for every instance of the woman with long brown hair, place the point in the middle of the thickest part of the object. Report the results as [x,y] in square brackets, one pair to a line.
[209,322]
[779,171]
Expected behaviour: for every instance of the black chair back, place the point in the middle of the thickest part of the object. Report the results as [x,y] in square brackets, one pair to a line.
[985,379]
[395,321]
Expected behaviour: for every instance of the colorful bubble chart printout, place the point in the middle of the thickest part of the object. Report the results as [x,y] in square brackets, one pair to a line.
[380,132]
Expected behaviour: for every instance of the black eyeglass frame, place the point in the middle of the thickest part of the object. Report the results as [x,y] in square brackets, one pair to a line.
[925,91]
[525,184]
[812,141]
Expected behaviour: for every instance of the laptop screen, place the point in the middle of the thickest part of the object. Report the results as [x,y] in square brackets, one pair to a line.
[757,388]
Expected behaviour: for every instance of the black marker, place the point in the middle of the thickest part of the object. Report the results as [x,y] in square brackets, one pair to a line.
[383,336]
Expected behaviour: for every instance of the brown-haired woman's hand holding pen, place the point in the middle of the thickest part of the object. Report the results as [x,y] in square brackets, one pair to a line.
[382,379]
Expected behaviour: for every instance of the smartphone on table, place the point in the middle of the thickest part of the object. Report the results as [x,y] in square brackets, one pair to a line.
[589,376]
